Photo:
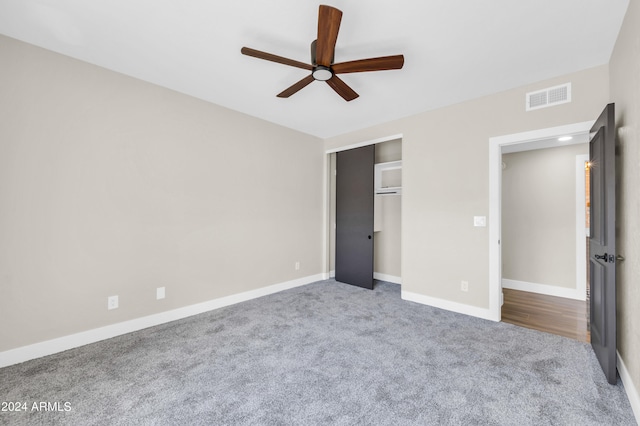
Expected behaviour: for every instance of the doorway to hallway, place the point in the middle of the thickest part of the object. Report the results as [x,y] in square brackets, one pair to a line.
[551,314]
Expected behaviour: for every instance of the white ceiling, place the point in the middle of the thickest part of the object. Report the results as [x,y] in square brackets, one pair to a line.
[454,49]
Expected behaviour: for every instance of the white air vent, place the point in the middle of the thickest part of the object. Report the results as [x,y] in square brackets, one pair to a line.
[549,97]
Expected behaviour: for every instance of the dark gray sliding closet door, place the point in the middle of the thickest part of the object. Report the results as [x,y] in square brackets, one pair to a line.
[354,216]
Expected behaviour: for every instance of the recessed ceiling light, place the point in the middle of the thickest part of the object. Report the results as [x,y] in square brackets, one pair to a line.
[565,138]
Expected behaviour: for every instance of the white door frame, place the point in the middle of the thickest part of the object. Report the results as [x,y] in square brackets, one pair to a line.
[326,226]
[495,190]
[581,231]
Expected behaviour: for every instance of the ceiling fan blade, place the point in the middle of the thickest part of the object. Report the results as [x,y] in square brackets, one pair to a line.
[342,88]
[328,25]
[274,58]
[372,64]
[294,88]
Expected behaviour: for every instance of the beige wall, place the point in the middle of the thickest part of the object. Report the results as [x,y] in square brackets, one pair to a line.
[445,179]
[539,216]
[110,185]
[625,92]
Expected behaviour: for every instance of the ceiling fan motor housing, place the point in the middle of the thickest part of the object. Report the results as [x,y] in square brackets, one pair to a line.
[314,48]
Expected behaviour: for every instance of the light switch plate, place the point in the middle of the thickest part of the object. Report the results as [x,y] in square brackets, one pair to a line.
[480,221]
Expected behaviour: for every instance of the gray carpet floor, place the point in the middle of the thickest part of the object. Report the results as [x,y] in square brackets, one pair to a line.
[325,353]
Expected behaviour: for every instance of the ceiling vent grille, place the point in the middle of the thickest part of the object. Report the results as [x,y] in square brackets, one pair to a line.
[549,97]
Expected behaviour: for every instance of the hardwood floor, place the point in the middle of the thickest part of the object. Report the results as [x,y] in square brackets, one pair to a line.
[556,315]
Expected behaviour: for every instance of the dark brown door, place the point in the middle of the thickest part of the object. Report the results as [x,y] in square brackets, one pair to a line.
[354,216]
[602,241]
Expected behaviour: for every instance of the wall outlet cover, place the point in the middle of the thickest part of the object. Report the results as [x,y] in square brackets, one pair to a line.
[112,302]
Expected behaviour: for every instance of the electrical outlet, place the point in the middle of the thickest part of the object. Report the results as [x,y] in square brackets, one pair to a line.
[112,302]
[297,266]
[464,286]
[160,294]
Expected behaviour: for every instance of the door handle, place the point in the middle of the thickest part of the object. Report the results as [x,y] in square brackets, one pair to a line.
[604,257]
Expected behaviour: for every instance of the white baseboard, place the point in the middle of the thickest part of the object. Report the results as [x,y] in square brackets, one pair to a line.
[550,290]
[332,274]
[460,308]
[629,387]
[49,347]
[388,278]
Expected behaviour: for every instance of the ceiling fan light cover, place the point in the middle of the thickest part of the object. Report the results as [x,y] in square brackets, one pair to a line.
[322,73]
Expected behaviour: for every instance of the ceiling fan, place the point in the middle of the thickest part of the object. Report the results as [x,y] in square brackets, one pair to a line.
[322,54]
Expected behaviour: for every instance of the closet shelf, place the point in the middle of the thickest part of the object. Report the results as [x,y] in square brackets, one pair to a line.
[388,178]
